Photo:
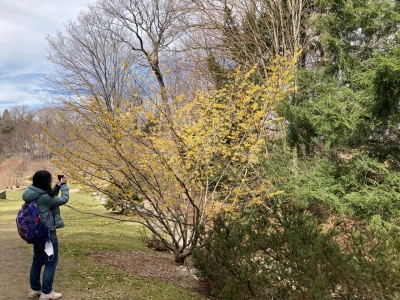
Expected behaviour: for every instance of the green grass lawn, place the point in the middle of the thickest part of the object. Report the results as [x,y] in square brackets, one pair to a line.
[85,233]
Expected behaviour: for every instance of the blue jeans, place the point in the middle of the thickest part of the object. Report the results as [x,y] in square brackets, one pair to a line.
[40,258]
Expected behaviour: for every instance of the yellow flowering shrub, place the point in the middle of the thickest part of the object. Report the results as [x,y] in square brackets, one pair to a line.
[175,164]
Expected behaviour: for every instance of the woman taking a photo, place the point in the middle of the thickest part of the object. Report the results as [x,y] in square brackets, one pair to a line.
[48,204]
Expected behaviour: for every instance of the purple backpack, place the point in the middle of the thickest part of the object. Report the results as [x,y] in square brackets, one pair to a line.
[29,224]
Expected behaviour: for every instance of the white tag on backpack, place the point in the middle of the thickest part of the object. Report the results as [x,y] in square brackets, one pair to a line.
[48,248]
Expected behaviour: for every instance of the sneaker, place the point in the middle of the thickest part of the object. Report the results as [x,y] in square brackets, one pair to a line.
[34,294]
[53,295]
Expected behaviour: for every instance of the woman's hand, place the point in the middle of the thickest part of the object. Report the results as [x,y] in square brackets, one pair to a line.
[62,181]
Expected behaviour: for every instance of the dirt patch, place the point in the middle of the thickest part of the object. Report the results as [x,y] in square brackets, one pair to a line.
[156,266]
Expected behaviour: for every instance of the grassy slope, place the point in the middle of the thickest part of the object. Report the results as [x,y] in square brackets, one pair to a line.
[77,277]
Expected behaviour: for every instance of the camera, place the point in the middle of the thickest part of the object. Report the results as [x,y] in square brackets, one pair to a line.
[60,177]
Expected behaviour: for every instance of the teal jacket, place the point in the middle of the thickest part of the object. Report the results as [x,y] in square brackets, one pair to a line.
[45,202]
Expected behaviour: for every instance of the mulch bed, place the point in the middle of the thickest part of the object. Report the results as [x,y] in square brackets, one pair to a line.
[155,266]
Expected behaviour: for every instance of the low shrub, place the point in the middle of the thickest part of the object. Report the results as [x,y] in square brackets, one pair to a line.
[284,252]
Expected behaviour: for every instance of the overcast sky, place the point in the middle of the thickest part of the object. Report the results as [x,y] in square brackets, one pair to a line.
[24,25]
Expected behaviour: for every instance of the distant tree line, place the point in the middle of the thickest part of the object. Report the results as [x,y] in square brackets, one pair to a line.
[18,128]
[20,146]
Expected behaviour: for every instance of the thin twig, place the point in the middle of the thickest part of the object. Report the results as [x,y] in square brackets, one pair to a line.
[98,215]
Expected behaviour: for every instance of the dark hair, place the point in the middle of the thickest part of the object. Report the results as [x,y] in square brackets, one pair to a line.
[42,180]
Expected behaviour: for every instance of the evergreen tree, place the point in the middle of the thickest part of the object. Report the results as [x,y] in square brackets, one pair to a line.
[7,125]
[335,173]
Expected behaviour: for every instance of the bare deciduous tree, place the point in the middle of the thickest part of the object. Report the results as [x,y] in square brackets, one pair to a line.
[154,27]
[12,172]
[254,31]
[16,130]
[90,61]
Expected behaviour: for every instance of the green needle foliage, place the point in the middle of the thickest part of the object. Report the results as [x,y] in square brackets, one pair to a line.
[332,234]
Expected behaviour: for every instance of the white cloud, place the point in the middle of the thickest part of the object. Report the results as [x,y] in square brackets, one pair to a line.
[12,94]
[24,24]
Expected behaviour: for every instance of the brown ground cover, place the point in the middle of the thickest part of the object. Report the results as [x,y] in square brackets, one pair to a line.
[155,266]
